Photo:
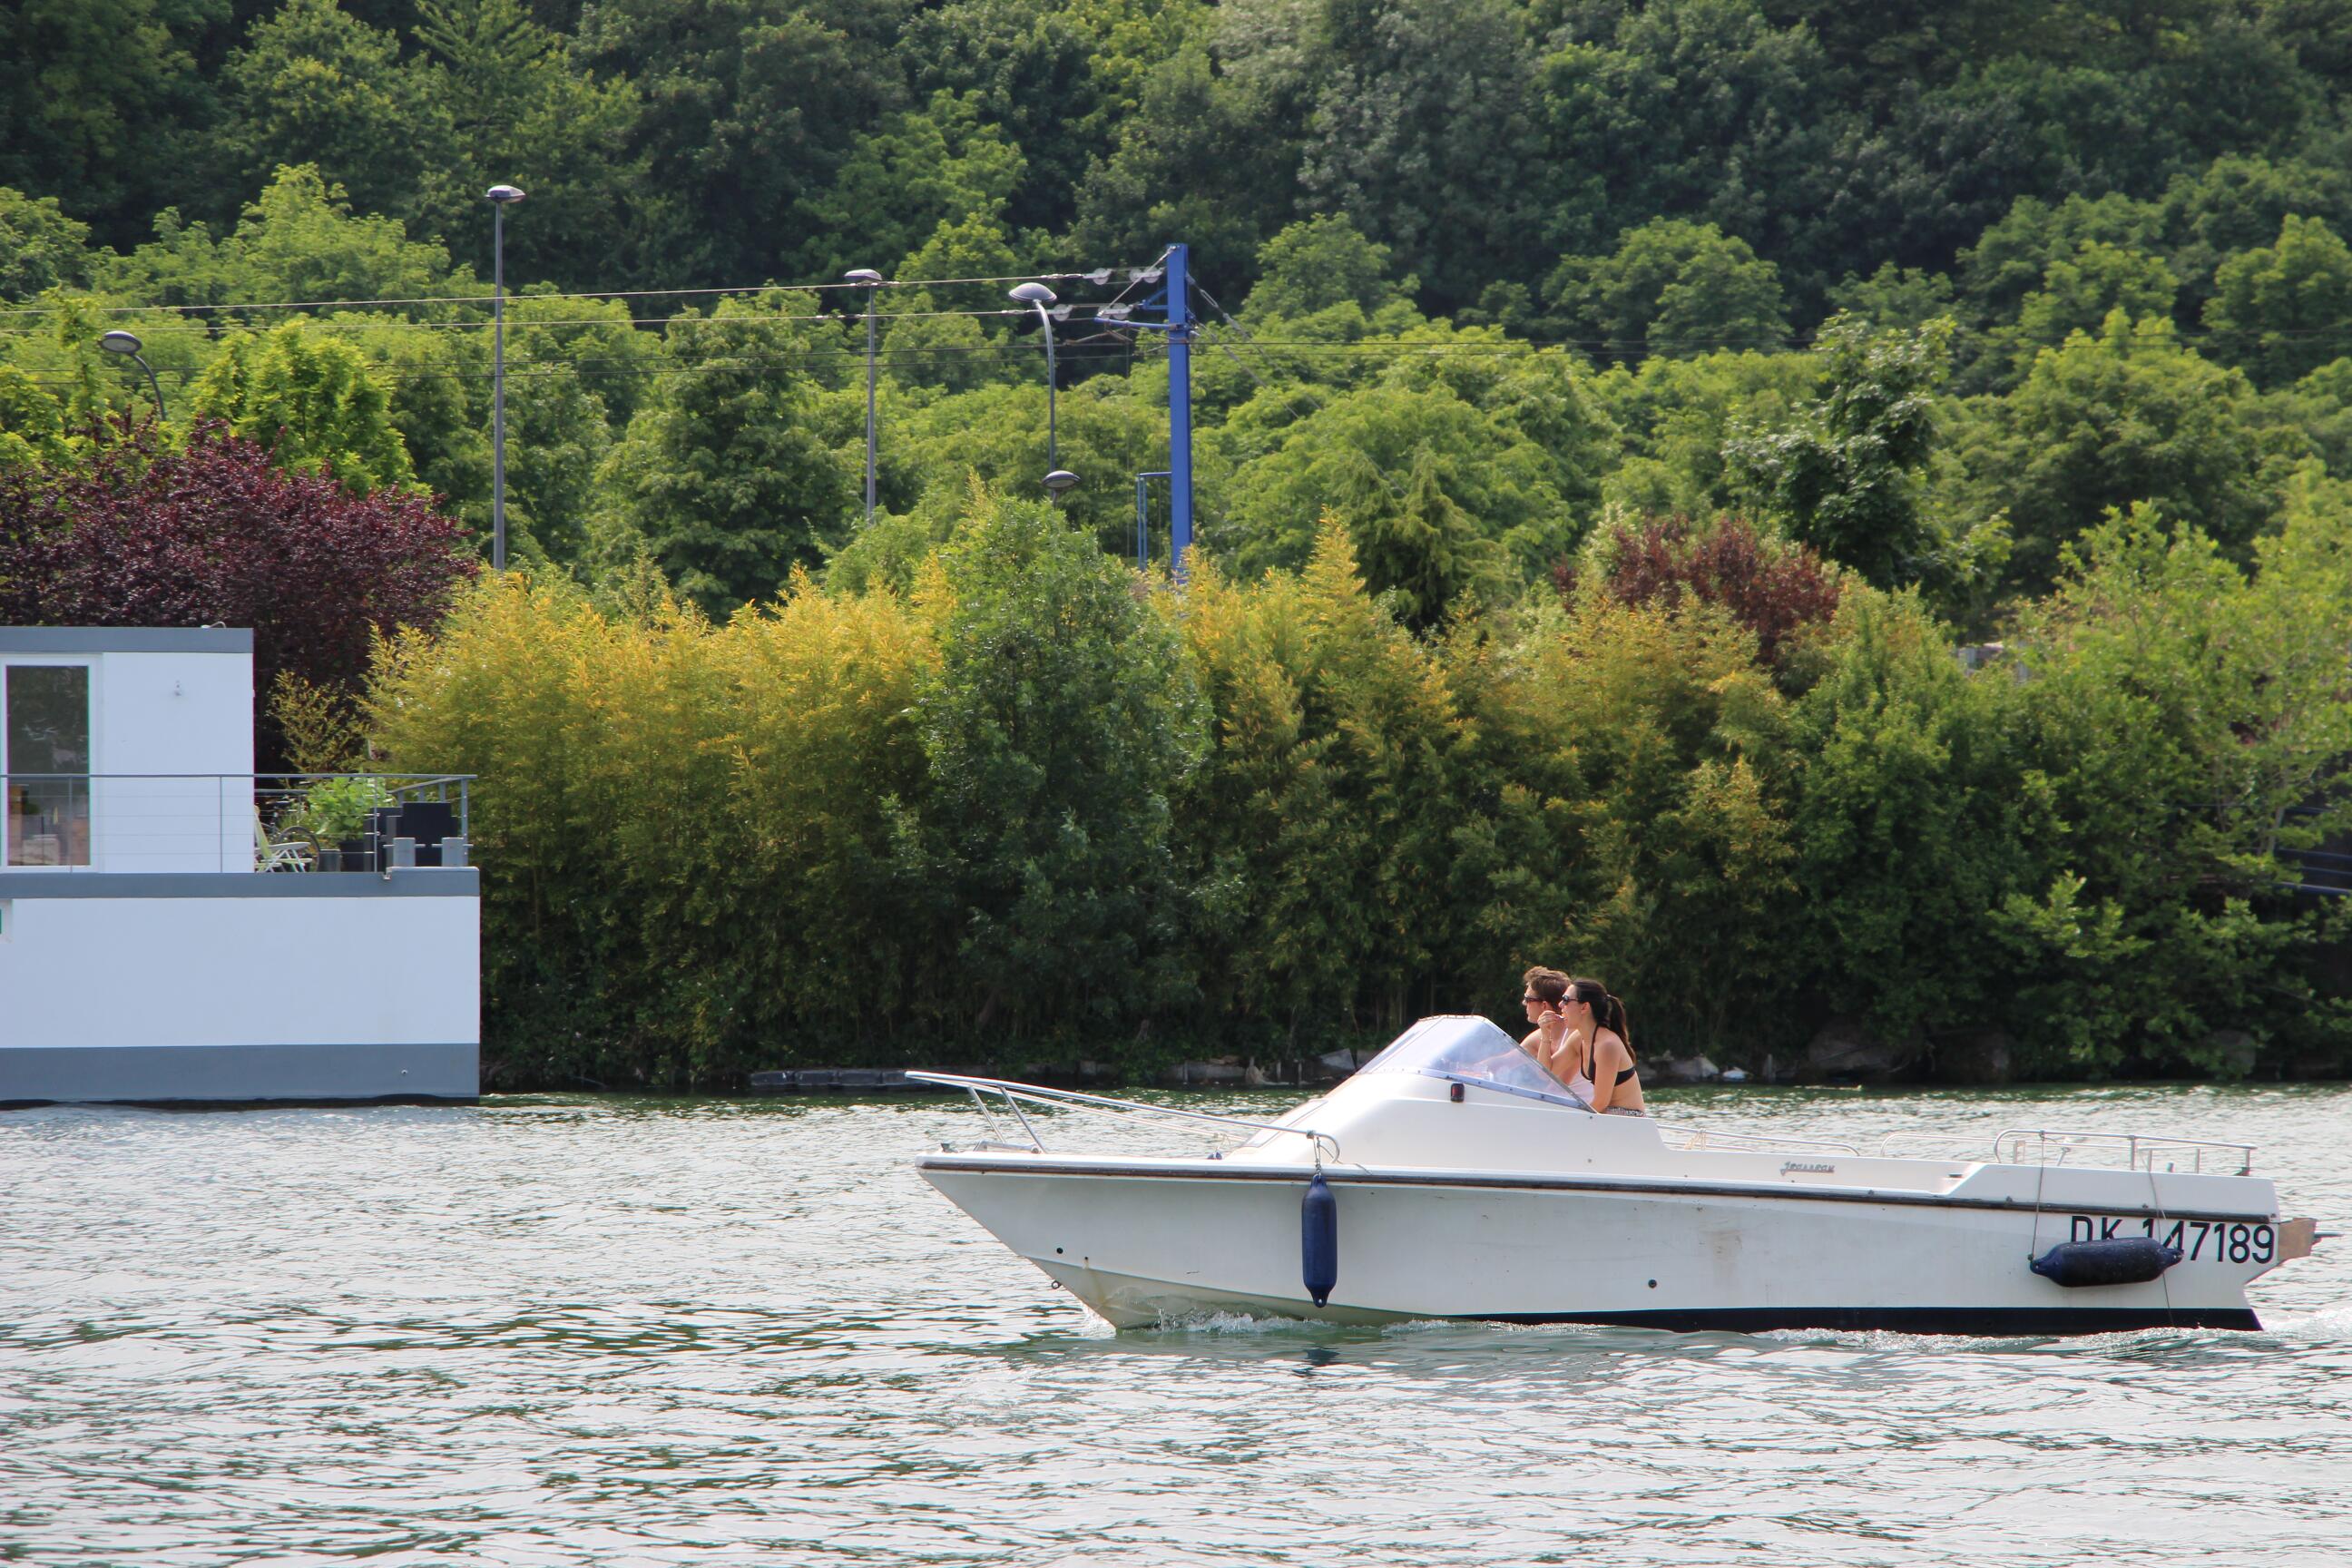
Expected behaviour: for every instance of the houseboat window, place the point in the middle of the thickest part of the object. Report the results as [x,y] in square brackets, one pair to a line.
[45,725]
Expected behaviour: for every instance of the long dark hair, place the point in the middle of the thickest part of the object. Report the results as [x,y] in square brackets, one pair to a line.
[1606,1010]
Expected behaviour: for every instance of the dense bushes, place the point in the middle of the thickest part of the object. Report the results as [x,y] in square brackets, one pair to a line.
[1038,808]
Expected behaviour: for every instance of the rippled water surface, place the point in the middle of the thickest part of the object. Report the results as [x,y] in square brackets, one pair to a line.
[550,1330]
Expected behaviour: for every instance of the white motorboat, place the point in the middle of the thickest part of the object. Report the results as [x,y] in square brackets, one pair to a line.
[1452,1178]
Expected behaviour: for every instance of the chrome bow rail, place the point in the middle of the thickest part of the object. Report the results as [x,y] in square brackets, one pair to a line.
[1013,1094]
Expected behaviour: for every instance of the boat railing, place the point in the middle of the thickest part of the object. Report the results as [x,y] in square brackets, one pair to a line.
[2137,1152]
[1734,1142]
[1014,1094]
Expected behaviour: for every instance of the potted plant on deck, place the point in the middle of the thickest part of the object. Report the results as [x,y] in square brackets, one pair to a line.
[335,812]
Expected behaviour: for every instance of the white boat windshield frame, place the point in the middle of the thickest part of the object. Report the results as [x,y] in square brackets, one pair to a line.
[1468,1049]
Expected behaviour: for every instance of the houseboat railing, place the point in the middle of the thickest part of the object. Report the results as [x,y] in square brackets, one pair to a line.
[374,822]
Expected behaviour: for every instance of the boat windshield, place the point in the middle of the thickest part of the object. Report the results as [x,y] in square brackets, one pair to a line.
[1472,1050]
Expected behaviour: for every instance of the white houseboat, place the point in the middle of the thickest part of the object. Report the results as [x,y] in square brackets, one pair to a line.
[173,928]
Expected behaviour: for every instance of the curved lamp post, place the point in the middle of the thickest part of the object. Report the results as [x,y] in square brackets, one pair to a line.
[866,278]
[1038,297]
[501,197]
[119,342]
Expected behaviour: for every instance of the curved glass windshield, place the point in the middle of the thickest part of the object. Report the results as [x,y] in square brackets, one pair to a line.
[1472,1050]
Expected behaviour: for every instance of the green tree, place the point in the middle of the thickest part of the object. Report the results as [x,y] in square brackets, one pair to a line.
[724,473]
[2127,415]
[1059,726]
[2238,203]
[940,165]
[2281,311]
[310,398]
[431,380]
[32,424]
[1677,415]
[2078,291]
[2180,710]
[40,247]
[1671,286]
[1622,761]
[1917,817]
[1378,461]
[521,109]
[1706,110]
[1322,819]
[1320,262]
[1847,478]
[315,85]
[299,240]
[1108,432]
[99,100]
[2013,257]
[1895,297]
[1420,130]
[745,107]
[1209,155]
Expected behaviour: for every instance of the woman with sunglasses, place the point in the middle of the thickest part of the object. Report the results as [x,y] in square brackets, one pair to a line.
[1594,1024]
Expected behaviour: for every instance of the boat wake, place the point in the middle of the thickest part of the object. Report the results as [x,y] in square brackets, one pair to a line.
[2321,1325]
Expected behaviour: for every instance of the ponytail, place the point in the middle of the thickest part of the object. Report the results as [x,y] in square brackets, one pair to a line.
[1614,1019]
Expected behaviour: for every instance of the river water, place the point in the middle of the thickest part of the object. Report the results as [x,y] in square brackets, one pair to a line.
[556,1331]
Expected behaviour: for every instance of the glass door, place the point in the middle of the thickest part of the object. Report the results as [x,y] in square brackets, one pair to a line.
[44,728]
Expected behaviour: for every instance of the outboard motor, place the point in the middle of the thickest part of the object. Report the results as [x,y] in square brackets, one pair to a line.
[1318,1239]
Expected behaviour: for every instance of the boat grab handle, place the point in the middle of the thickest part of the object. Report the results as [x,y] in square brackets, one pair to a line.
[1326,1145]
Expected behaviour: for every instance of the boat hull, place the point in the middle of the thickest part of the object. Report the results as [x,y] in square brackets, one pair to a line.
[1143,1242]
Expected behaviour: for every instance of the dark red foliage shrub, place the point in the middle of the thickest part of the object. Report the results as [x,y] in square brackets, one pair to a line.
[216,534]
[1772,589]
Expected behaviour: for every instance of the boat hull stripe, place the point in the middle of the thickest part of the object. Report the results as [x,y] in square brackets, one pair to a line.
[1338,1176]
[1983,1322]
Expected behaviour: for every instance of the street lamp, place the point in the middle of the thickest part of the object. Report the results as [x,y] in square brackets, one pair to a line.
[866,278]
[501,197]
[119,342]
[1037,295]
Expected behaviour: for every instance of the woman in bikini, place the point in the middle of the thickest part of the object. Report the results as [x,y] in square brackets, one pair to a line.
[1594,1030]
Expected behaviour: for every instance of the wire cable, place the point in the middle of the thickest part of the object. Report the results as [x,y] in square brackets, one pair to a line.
[580,294]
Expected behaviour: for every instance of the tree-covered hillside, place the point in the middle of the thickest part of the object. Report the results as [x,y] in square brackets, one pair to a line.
[1611,417]
[1929,286]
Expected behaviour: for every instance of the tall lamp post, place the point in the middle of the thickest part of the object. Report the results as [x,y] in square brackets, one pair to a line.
[501,197]
[1039,297]
[119,342]
[866,278]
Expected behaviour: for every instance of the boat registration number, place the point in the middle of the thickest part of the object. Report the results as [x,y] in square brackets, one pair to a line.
[2220,1241]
